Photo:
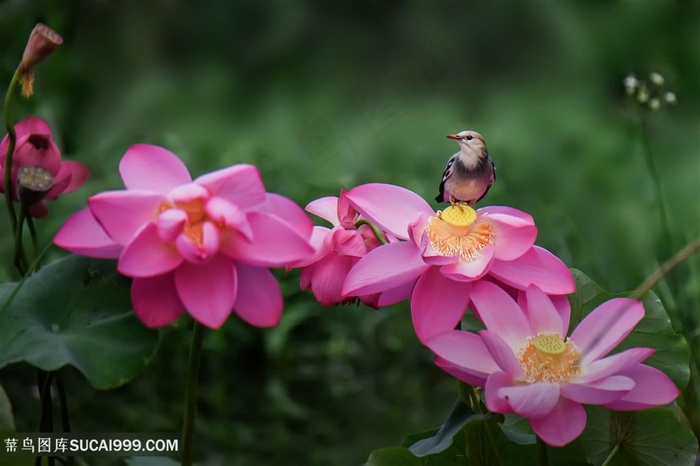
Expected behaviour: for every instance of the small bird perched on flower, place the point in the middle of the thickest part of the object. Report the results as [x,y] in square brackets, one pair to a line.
[469,173]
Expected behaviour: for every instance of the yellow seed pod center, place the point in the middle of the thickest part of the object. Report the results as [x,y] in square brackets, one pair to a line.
[460,215]
[550,344]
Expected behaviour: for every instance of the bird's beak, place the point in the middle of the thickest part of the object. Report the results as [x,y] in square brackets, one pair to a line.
[452,136]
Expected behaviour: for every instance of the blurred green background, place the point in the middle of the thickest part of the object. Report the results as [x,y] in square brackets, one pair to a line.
[322,95]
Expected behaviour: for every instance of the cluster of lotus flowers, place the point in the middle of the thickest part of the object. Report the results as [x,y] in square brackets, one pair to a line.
[206,246]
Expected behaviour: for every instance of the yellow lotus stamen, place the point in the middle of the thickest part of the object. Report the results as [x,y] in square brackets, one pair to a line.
[549,358]
[456,232]
[459,215]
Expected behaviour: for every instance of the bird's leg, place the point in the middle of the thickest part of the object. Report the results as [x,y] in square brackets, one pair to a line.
[453,201]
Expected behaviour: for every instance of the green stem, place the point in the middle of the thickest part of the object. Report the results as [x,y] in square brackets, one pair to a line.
[20,284]
[44,381]
[12,137]
[377,232]
[653,172]
[35,239]
[191,395]
[687,251]
[63,405]
[20,258]
[543,453]
[611,455]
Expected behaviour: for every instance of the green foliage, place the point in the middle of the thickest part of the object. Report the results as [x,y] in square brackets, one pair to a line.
[76,312]
[654,437]
[441,439]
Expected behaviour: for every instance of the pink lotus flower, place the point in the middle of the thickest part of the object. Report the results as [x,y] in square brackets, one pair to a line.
[202,245]
[529,367]
[337,249]
[447,252]
[35,148]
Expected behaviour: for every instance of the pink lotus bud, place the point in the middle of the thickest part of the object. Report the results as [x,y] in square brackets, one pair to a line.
[42,42]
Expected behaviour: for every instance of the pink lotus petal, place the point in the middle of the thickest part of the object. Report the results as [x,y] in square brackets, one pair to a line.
[170,224]
[563,307]
[386,267]
[318,243]
[31,125]
[537,267]
[81,234]
[614,364]
[543,316]
[46,155]
[500,313]
[146,255]
[123,213]
[208,290]
[523,217]
[289,211]
[326,208]
[189,193]
[464,350]
[346,242]
[390,207]
[502,353]
[494,384]
[201,249]
[239,184]
[415,233]
[599,392]
[437,304]
[220,210]
[605,327]
[513,235]
[468,271]
[152,168]
[562,425]
[396,295]
[76,171]
[60,184]
[347,215]
[653,388]
[274,243]
[259,299]
[532,400]
[305,277]
[155,300]
[460,373]
[328,276]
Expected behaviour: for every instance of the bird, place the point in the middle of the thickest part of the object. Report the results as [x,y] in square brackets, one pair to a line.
[469,173]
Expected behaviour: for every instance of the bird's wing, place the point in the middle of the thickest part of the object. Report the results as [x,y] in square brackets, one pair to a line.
[491,182]
[446,174]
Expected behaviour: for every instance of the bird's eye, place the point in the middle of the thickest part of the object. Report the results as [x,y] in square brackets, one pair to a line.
[469,138]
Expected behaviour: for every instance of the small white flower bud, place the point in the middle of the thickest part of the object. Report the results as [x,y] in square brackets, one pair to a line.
[656,78]
[631,84]
[654,103]
[643,94]
[670,98]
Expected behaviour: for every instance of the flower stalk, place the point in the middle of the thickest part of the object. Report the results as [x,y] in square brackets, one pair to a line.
[375,229]
[12,139]
[656,181]
[191,395]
